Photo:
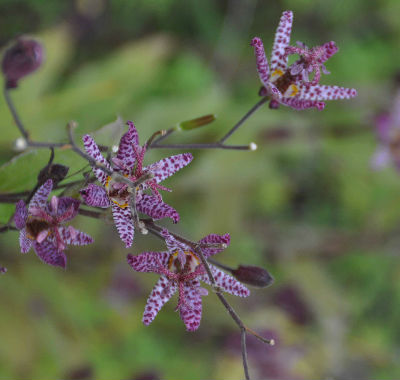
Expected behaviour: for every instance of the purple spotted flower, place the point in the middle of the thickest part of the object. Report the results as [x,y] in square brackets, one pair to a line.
[129,162]
[41,226]
[289,85]
[388,134]
[181,270]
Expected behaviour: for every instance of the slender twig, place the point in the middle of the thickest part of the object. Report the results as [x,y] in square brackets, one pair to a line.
[216,145]
[14,113]
[8,228]
[203,146]
[243,119]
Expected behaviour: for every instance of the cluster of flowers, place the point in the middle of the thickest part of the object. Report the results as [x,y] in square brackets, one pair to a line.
[41,226]
[130,188]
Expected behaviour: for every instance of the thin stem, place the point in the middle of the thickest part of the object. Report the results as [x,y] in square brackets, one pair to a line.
[14,113]
[243,119]
[244,353]
[219,265]
[8,228]
[216,145]
[90,213]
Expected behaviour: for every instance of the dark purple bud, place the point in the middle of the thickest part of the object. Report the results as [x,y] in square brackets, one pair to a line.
[21,59]
[273,104]
[3,270]
[254,276]
[263,91]
[55,172]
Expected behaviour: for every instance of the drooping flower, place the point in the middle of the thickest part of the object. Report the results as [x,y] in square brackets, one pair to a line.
[388,134]
[129,162]
[21,59]
[41,226]
[289,85]
[181,270]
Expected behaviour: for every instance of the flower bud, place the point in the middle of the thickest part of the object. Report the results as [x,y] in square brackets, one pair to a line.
[21,59]
[3,270]
[55,172]
[252,275]
[195,123]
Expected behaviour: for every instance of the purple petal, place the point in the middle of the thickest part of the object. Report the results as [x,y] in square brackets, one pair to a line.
[126,154]
[67,208]
[24,242]
[330,49]
[226,282]
[168,166]
[39,200]
[381,158]
[93,151]
[95,196]
[47,252]
[161,293]
[21,213]
[148,261]
[323,92]
[301,104]
[173,244]
[282,39]
[261,60]
[124,224]
[214,239]
[70,235]
[156,209]
[190,311]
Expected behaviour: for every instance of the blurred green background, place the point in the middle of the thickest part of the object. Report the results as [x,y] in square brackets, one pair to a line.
[305,205]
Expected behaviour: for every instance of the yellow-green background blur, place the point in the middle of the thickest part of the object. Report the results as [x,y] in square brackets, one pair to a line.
[305,205]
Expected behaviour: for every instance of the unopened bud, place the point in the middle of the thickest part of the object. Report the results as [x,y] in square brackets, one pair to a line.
[55,172]
[3,270]
[252,275]
[195,123]
[21,59]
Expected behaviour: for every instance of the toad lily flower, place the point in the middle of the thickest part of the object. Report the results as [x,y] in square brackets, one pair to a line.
[40,226]
[388,133]
[117,195]
[289,85]
[181,270]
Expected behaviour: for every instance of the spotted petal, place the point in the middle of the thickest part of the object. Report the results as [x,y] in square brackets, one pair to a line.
[261,60]
[24,242]
[214,239]
[70,235]
[161,293]
[167,166]
[323,92]
[298,103]
[282,39]
[148,261]
[190,311]
[93,151]
[39,200]
[95,196]
[21,213]
[124,224]
[67,208]
[47,252]
[126,153]
[173,244]
[330,49]
[156,209]
[226,282]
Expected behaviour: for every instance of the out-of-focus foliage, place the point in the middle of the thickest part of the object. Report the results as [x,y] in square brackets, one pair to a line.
[305,205]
